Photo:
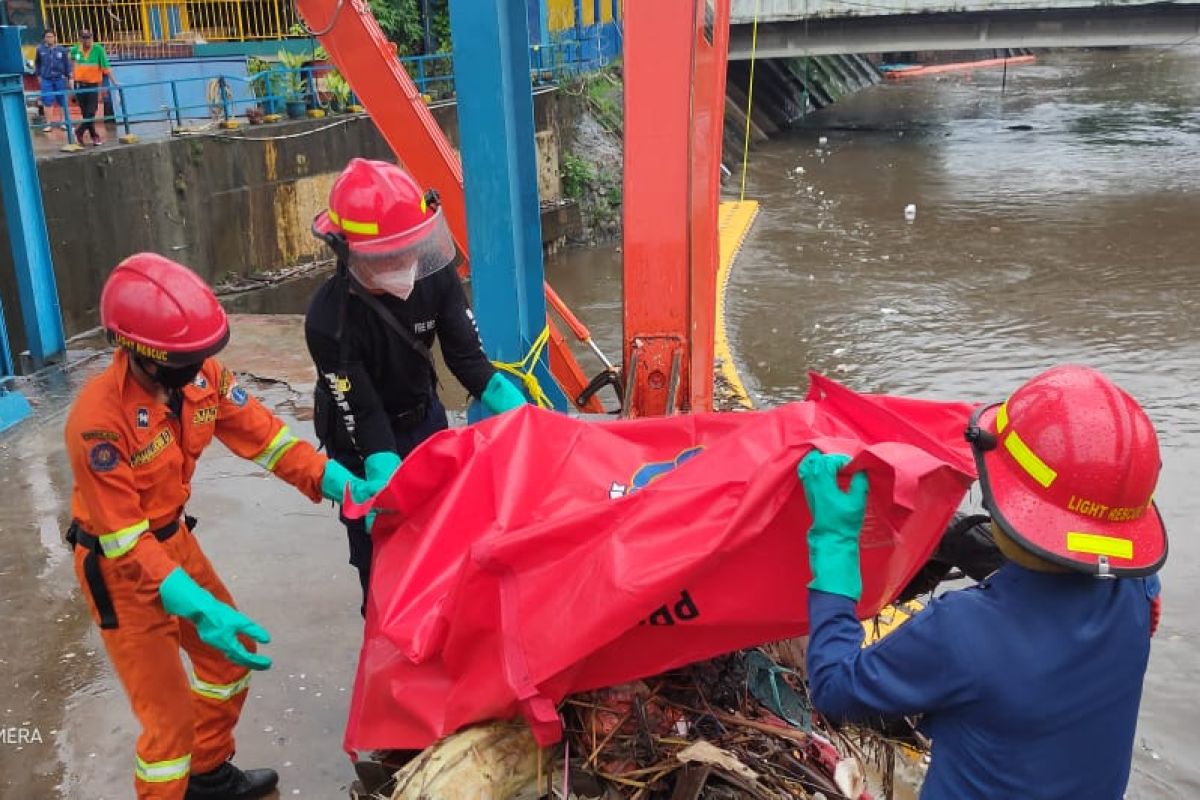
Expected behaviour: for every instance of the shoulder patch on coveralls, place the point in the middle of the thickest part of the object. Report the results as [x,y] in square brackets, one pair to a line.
[103,457]
[101,436]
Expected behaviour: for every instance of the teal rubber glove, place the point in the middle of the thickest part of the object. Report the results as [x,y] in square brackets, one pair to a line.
[380,467]
[333,482]
[837,524]
[500,395]
[217,624]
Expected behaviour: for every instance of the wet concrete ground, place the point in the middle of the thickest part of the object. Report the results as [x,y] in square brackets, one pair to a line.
[283,558]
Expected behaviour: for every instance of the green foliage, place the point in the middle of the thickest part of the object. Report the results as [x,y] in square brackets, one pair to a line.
[401,23]
[577,176]
[292,81]
[604,94]
[339,88]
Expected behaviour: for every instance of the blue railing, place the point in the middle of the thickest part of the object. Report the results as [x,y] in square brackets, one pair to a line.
[295,91]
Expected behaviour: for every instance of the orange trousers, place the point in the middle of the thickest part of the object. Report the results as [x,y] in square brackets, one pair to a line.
[187,718]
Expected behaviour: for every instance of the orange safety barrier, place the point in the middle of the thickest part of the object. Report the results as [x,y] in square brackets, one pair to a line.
[962,66]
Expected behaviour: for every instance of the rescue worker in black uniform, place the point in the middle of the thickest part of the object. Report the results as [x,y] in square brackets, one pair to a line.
[370,327]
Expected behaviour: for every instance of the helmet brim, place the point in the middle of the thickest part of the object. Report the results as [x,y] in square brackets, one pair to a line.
[323,226]
[1126,548]
[160,353]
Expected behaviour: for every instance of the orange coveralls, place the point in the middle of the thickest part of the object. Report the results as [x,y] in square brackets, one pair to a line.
[133,461]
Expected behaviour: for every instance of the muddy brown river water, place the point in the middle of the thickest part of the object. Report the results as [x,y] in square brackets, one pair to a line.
[1058,220]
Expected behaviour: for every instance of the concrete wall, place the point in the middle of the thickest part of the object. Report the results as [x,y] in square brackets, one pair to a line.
[223,206]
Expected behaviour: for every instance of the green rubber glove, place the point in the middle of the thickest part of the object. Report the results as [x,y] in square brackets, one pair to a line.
[380,467]
[501,395]
[217,624]
[837,524]
[333,482]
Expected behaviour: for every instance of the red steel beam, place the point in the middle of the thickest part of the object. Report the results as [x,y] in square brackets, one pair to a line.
[675,57]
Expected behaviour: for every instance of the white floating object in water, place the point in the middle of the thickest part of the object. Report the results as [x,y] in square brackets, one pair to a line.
[910,212]
[824,140]
[886,311]
[799,170]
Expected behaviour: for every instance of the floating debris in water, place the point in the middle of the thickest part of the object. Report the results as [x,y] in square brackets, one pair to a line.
[910,212]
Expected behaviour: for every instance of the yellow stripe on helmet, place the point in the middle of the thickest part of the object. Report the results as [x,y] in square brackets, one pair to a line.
[1095,544]
[1028,460]
[350,226]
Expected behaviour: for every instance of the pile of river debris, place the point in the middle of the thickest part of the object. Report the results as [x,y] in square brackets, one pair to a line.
[738,726]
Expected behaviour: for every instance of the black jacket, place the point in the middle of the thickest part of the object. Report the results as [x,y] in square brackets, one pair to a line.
[384,381]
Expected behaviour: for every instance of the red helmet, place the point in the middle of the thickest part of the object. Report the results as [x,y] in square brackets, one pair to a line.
[1068,466]
[395,231]
[162,311]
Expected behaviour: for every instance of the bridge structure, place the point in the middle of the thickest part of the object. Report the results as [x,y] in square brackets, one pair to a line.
[798,28]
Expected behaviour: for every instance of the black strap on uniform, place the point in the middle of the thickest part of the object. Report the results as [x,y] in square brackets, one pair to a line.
[78,537]
[390,320]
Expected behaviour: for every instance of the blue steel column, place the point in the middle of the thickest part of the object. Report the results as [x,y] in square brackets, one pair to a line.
[13,406]
[495,119]
[23,212]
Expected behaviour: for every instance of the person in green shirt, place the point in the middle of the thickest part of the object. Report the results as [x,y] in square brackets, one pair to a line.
[91,68]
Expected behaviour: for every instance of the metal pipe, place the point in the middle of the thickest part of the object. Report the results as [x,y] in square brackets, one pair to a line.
[124,109]
[223,89]
[175,104]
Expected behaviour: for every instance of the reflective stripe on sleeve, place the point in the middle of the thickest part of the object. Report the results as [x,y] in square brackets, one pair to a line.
[177,769]
[283,441]
[118,543]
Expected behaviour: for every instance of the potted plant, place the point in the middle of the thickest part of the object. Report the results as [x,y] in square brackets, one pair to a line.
[295,92]
[267,85]
[339,90]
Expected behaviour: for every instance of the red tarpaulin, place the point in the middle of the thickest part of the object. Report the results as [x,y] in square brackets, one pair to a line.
[534,555]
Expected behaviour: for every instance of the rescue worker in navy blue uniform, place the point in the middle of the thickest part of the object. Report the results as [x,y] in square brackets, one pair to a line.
[370,326]
[1030,681]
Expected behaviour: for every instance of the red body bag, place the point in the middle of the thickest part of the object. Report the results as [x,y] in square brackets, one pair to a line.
[534,555]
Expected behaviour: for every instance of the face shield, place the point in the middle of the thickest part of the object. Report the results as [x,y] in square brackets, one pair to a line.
[393,264]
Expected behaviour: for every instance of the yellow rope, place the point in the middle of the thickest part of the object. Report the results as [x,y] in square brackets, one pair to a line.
[750,99]
[523,370]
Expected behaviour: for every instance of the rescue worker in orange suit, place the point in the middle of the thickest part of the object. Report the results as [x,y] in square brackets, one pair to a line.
[1030,681]
[370,328]
[133,437]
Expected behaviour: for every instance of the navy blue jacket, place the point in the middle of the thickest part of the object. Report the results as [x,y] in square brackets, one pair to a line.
[52,62]
[1029,682]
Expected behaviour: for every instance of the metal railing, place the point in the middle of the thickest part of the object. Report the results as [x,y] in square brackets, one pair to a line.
[295,91]
[194,21]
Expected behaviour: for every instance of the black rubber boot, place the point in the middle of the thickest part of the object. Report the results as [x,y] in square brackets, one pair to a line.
[227,782]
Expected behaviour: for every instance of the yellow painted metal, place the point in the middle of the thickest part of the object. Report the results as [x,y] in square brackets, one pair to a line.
[733,223]
[198,21]
[561,13]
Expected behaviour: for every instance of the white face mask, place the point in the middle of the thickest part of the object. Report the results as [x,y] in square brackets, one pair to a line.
[396,282]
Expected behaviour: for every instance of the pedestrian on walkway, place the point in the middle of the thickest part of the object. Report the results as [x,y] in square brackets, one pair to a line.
[1030,681]
[91,70]
[133,437]
[370,328]
[52,63]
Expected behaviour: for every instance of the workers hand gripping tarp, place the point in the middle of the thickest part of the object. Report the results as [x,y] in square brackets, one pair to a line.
[534,555]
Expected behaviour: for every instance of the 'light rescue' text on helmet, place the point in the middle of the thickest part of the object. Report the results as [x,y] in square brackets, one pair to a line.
[162,312]
[1068,466]
[394,232]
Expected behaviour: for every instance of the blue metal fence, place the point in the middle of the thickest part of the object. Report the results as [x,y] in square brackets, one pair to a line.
[221,98]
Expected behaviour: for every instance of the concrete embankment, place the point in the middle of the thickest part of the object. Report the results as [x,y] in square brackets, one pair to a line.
[229,205]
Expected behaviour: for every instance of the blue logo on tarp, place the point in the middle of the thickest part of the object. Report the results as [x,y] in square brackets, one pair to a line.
[649,473]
